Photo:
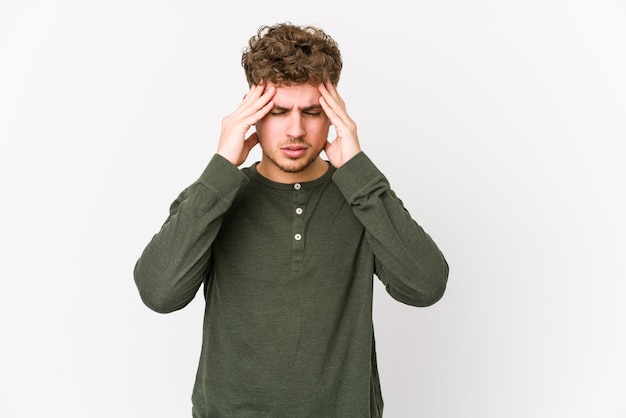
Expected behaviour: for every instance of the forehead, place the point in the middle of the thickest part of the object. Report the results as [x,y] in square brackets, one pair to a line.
[301,95]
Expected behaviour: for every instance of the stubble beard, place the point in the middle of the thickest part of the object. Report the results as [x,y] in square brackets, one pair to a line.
[295,165]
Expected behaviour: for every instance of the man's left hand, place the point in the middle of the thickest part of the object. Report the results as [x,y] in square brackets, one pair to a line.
[346,144]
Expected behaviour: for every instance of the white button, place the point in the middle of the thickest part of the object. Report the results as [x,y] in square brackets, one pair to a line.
[298,237]
[299,211]
[297,186]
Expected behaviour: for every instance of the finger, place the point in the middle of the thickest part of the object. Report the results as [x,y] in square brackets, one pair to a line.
[254,92]
[262,112]
[330,112]
[337,107]
[253,95]
[332,92]
[255,102]
[262,101]
[344,125]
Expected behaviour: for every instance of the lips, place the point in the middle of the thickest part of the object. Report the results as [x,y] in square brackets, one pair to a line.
[294,151]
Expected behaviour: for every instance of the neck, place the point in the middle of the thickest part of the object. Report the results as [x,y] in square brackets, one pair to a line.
[271,171]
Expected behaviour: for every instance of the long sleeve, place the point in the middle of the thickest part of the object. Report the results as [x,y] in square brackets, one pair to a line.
[172,266]
[408,261]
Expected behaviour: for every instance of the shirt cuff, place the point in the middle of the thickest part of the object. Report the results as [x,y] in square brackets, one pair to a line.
[357,174]
[222,177]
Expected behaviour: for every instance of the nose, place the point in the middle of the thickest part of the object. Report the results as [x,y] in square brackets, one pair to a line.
[295,128]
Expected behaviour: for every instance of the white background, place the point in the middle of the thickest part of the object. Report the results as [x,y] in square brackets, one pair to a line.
[500,124]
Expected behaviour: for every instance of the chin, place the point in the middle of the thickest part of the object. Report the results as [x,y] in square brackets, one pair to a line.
[294,167]
[297,165]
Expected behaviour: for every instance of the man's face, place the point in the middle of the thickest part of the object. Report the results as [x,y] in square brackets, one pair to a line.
[293,134]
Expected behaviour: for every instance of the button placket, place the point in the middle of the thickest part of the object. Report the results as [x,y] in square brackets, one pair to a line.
[299,201]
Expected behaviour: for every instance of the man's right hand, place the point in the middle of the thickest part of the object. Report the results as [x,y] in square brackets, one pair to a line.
[233,144]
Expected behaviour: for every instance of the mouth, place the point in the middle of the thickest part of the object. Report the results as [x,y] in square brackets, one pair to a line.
[293,151]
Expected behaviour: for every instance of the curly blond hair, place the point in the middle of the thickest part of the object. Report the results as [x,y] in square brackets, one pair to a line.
[287,54]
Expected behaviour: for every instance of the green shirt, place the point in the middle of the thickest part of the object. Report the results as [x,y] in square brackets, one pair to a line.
[288,273]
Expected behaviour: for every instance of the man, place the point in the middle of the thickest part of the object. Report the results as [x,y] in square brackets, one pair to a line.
[287,248]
